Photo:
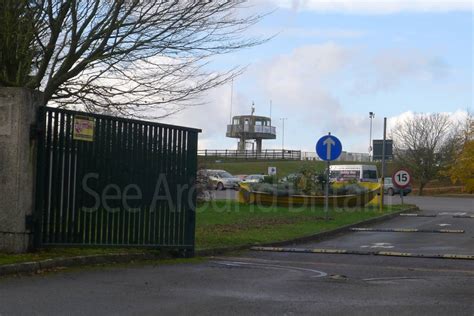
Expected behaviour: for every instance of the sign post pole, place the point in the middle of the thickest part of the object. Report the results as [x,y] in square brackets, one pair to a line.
[328,148]
[326,193]
[401,178]
[383,163]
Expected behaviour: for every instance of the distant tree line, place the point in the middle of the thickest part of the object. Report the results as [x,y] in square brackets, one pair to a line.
[432,146]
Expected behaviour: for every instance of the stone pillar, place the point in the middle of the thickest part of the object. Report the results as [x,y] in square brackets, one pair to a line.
[259,145]
[18,111]
[242,144]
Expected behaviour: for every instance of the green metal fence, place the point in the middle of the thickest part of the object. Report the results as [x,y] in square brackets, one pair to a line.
[108,181]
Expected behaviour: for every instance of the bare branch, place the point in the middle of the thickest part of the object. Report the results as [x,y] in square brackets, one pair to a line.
[422,144]
[132,56]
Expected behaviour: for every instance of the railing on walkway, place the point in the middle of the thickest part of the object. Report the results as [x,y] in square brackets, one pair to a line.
[252,154]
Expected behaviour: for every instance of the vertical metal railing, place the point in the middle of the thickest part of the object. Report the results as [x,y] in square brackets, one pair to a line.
[131,186]
[271,154]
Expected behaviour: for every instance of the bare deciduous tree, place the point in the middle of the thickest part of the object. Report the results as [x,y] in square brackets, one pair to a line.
[421,144]
[124,56]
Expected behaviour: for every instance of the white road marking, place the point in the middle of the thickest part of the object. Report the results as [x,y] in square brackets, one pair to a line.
[442,225]
[391,279]
[385,245]
[452,213]
[318,273]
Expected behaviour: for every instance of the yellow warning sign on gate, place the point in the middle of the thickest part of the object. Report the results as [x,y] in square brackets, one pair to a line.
[83,128]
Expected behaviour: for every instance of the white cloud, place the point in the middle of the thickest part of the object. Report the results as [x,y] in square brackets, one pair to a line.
[388,69]
[456,118]
[211,117]
[306,82]
[298,79]
[310,33]
[322,33]
[375,6]
[304,85]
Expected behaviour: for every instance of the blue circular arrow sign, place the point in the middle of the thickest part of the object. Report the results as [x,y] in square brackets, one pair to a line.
[329,147]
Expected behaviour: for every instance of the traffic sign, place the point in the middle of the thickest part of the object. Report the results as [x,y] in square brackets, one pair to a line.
[328,147]
[272,171]
[378,149]
[401,178]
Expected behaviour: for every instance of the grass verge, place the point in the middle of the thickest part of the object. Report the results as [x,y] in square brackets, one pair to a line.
[225,223]
[258,167]
[51,253]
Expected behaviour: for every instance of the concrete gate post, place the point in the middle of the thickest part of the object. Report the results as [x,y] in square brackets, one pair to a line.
[18,111]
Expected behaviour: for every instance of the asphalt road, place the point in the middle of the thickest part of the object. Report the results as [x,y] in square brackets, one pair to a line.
[422,243]
[428,203]
[267,283]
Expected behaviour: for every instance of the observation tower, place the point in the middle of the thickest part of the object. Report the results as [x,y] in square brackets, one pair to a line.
[251,128]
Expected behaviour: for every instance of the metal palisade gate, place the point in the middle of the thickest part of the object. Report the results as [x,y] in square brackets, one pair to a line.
[108,181]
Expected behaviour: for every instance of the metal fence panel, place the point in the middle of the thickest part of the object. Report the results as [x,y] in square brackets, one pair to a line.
[131,184]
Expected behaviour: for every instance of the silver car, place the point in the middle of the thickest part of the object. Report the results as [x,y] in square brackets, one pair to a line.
[221,179]
[391,189]
[254,178]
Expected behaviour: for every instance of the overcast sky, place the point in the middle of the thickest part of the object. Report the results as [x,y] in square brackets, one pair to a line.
[335,61]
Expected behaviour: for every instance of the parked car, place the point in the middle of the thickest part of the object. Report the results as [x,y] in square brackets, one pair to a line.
[290,178]
[391,189]
[241,176]
[221,179]
[254,178]
[360,173]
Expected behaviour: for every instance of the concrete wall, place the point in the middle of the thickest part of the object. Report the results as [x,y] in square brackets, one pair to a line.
[18,110]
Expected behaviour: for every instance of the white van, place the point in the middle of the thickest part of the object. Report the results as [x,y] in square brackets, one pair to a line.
[362,173]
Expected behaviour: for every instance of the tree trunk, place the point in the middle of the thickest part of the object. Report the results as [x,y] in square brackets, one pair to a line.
[420,188]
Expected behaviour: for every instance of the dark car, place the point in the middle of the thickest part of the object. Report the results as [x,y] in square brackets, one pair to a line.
[391,189]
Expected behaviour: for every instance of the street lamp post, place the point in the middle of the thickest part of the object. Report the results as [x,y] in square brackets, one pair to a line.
[371,116]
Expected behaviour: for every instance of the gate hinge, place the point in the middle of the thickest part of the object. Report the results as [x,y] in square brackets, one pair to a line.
[30,222]
[35,131]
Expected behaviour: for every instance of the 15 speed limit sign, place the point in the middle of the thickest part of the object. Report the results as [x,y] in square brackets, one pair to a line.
[401,178]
